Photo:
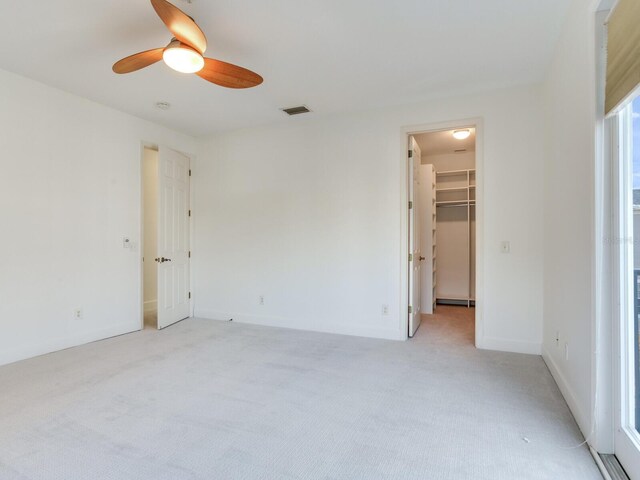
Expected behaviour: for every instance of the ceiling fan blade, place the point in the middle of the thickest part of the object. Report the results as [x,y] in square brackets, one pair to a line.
[138,60]
[180,24]
[228,75]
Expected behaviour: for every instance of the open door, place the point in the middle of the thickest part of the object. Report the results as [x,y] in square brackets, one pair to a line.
[173,237]
[415,272]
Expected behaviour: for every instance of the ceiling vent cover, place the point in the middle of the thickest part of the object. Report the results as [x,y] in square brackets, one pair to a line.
[296,110]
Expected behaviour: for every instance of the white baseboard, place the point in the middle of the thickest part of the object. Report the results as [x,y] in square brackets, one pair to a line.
[150,305]
[583,420]
[272,321]
[507,345]
[488,343]
[28,351]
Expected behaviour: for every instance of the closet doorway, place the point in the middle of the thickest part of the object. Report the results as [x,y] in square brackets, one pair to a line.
[166,249]
[442,225]
[150,236]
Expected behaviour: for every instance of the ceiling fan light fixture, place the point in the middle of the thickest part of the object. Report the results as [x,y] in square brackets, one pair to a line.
[184,53]
[182,58]
[461,134]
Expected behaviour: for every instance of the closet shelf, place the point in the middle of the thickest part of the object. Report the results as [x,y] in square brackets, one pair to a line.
[454,203]
[455,172]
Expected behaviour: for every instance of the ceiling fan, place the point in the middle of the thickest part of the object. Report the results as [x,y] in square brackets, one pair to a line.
[184,53]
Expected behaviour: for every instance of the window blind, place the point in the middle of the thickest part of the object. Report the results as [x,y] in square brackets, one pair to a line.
[623,53]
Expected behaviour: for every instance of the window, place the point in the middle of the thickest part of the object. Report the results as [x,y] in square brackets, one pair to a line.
[627,435]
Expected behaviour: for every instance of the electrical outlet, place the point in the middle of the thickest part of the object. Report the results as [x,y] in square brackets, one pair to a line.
[77,313]
[126,242]
[385,309]
[261,299]
[566,351]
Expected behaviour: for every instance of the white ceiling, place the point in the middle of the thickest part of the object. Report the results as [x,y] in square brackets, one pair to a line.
[438,143]
[331,55]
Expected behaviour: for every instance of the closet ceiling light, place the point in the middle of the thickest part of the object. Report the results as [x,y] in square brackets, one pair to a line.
[461,134]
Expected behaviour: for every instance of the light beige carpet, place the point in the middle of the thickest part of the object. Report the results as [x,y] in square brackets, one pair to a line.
[212,400]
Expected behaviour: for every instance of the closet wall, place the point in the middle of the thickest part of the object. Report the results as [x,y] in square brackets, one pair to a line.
[451,161]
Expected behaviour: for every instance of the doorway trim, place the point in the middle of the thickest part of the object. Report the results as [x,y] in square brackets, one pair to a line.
[405,132]
[155,146]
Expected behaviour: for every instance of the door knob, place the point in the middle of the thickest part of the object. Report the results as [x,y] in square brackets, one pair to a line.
[162,260]
[422,258]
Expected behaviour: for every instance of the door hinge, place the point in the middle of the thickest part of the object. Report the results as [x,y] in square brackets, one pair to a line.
[189,172]
[189,294]
[410,257]
[410,205]
[189,212]
[410,153]
[410,309]
[189,253]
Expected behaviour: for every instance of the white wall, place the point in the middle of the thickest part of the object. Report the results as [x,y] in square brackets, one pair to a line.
[310,215]
[70,190]
[569,212]
[150,194]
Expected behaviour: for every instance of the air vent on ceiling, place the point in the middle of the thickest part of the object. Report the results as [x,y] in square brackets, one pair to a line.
[462,150]
[296,110]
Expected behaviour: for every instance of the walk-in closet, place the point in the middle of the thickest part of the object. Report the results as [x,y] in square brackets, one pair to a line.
[447,218]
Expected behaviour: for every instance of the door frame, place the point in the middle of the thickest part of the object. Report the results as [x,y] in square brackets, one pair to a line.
[405,133]
[192,157]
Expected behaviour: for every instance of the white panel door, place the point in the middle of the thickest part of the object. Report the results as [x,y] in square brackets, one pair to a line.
[173,237]
[415,273]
